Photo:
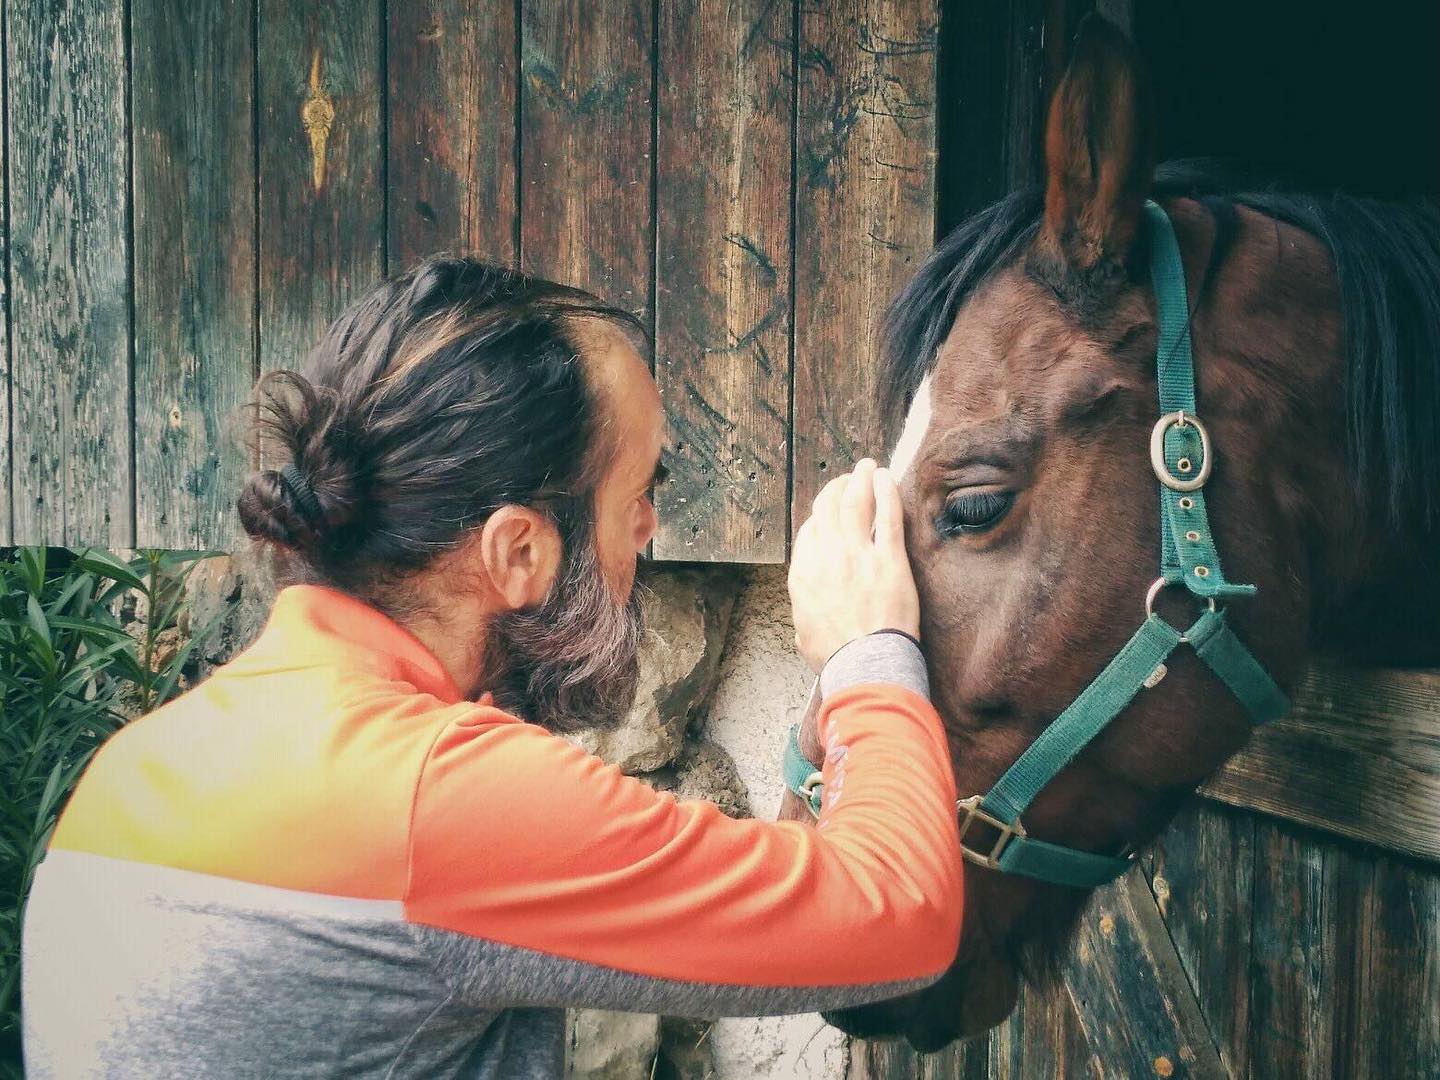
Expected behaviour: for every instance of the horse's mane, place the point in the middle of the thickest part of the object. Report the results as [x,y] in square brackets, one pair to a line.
[1387,257]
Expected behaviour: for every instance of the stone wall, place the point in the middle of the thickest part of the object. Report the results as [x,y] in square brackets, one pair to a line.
[720,685]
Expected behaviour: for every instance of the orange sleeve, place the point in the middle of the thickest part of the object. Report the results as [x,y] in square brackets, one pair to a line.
[521,839]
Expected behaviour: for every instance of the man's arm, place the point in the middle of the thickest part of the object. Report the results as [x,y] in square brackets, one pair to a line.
[540,875]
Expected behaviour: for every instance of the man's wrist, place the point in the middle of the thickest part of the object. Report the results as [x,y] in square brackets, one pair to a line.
[885,656]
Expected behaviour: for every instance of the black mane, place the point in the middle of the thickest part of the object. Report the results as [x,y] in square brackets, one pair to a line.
[1387,256]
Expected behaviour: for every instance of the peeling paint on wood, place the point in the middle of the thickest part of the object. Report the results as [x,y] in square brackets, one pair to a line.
[69,249]
[195,251]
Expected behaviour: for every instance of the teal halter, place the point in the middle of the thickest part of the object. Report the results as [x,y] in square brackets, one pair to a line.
[1182,458]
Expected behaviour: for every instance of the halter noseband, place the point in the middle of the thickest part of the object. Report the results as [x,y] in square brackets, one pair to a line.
[1181,456]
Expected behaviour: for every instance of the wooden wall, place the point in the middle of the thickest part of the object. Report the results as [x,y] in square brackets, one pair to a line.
[194,191]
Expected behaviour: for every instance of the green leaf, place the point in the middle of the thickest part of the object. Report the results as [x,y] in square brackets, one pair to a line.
[108,566]
[36,615]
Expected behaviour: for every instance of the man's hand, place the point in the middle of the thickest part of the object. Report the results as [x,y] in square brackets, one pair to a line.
[849,574]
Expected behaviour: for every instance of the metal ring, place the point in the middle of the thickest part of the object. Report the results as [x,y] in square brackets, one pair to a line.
[1156,588]
[1157,452]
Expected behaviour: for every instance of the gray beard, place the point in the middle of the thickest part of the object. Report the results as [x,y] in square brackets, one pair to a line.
[574,661]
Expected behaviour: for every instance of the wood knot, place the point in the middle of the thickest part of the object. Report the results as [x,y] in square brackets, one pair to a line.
[1164,1066]
[1107,925]
[1162,894]
[317,117]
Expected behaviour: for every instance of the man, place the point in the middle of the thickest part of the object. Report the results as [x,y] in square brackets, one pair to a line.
[359,849]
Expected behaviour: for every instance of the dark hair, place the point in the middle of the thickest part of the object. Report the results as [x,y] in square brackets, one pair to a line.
[436,398]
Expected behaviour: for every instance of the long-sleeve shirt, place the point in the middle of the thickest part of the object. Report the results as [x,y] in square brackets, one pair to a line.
[324,861]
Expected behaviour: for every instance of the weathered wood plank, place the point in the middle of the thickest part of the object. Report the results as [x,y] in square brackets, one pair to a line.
[722,318]
[1359,755]
[864,216]
[1293,940]
[322,159]
[452,128]
[585,167]
[70,274]
[1130,990]
[896,1061]
[194,265]
[7,502]
[1201,878]
[1042,1037]
[1392,1025]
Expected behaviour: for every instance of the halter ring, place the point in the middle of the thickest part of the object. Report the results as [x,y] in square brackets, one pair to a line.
[1156,587]
[1157,452]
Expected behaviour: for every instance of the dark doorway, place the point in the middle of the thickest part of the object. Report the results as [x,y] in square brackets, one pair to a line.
[1321,94]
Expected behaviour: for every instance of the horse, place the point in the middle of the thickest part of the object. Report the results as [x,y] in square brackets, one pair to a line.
[1020,366]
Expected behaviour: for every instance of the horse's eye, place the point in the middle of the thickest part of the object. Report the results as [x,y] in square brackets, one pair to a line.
[973,511]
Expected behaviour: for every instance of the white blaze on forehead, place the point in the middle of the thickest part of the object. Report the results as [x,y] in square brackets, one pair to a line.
[917,423]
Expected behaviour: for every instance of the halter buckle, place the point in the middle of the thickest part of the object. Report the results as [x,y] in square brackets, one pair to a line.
[807,790]
[1008,831]
[1157,452]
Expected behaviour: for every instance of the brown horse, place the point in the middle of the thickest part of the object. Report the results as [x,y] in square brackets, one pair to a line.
[1022,361]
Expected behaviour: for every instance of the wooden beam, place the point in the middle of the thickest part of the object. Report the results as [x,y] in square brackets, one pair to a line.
[1201,872]
[66,75]
[1359,755]
[322,156]
[864,217]
[585,168]
[1295,919]
[194,265]
[453,83]
[1130,990]
[722,318]
[7,501]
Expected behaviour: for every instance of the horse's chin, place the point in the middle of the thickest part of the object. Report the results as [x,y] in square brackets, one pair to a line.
[970,999]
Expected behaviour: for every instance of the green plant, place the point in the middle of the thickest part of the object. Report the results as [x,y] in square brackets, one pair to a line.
[71,674]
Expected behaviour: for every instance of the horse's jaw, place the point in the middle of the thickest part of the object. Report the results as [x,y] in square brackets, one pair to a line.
[971,998]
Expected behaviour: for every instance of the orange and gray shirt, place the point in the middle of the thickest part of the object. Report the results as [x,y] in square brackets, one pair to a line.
[324,861]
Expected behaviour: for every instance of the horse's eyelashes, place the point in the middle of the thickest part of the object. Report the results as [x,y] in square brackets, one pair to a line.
[973,511]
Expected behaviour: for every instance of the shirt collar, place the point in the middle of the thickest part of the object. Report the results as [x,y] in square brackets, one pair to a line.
[329,624]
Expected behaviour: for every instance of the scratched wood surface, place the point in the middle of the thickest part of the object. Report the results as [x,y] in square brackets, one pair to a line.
[343,138]
[71,479]
[864,216]
[194,265]
[722,279]
[321,168]
[452,100]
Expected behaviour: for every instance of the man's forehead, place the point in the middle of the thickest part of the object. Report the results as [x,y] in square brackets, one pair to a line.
[624,387]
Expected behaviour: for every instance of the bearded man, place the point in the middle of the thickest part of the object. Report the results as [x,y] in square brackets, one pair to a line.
[362,849]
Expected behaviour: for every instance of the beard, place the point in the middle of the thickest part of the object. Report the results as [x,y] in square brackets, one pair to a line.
[573,662]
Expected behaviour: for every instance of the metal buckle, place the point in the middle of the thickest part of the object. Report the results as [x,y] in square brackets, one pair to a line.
[1157,452]
[807,790]
[971,806]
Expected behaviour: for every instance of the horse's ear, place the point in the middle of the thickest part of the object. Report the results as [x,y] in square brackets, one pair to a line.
[1098,159]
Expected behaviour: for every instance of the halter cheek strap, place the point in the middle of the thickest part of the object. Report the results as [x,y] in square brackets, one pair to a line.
[1182,459]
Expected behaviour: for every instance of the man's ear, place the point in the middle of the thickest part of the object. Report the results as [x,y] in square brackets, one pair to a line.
[520,551]
[1099,155]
